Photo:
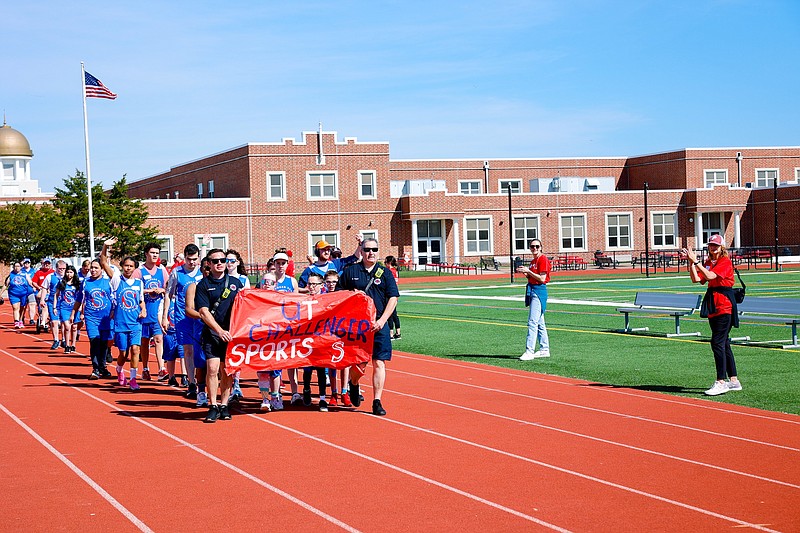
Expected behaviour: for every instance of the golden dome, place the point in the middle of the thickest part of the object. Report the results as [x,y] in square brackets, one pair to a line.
[13,143]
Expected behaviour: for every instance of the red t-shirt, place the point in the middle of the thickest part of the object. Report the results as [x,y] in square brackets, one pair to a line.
[723,268]
[540,265]
[40,275]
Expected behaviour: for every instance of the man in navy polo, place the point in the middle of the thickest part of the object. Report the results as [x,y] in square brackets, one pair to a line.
[379,284]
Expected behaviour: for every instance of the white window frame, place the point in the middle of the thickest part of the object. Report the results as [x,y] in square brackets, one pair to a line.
[766,184]
[335,175]
[177,194]
[167,196]
[200,190]
[796,174]
[561,218]
[198,240]
[318,235]
[167,243]
[367,233]
[707,171]
[630,230]
[526,240]
[282,197]
[211,188]
[478,252]
[518,181]
[470,182]
[373,184]
[707,231]
[674,229]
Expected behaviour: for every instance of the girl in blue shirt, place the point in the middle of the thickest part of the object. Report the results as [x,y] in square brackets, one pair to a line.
[67,293]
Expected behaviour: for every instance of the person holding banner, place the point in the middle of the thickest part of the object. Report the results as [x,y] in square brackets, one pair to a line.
[213,300]
[314,285]
[378,283]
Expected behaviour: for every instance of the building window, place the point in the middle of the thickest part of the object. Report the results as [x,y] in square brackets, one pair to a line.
[469,187]
[712,225]
[766,177]
[322,186]
[177,194]
[211,188]
[369,234]
[199,190]
[572,232]
[366,184]
[167,196]
[618,231]
[8,170]
[525,230]
[664,230]
[478,234]
[276,186]
[715,177]
[331,237]
[209,241]
[515,185]
[797,175]
[166,253]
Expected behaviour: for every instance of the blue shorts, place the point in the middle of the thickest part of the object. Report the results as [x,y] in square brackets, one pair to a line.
[188,331]
[382,346]
[65,312]
[94,332]
[17,299]
[151,329]
[125,339]
[51,312]
[172,350]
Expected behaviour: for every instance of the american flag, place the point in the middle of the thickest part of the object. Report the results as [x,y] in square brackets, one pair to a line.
[95,88]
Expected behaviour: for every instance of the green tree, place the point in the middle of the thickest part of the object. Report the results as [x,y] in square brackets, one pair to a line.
[34,231]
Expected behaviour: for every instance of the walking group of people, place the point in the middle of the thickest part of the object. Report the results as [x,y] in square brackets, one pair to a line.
[184,314]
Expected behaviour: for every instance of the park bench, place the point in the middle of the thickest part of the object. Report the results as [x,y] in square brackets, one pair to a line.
[660,303]
[786,310]
[489,263]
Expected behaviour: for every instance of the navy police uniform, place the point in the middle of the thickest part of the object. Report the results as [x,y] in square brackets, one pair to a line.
[356,277]
[208,291]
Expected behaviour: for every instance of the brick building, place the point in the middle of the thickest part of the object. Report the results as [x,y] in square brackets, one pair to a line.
[261,196]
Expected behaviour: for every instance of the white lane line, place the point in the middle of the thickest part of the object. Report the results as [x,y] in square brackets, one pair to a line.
[581,475]
[596,439]
[598,410]
[712,406]
[218,460]
[80,473]
[420,477]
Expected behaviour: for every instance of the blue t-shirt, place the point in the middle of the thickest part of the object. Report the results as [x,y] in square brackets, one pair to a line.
[180,280]
[127,298]
[152,302]
[98,301]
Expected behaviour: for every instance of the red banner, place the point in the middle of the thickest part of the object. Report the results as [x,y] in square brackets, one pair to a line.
[274,330]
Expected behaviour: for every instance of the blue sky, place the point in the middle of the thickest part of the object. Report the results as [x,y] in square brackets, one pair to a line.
[444,79]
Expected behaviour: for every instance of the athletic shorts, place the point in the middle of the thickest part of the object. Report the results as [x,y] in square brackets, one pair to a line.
[151,329]
[64,313]
[172,350]
[214,348]
[51,312]
[270,373]
[188,331]
[32,298]
[17,299]
[125,339]
[382,346]
[94,332]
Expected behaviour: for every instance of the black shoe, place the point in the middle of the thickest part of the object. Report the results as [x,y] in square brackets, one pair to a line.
[233,398]
[109,357]
[172,381]
[66,349]
[397,337]
[323,406]
[105,374]
[224,414]
[377,408]
[307,397]
[55,345]
[192,392]
[213,415]
[184,381]
[63,344]
[355,395]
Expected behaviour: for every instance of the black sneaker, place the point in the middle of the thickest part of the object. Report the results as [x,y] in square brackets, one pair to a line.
[192,392]
[109,356]
[184,381]
[213,415]
[63,344]
[307,397]
[55,345]
[173,381]
[105,374]
[355,395]
[224,414]
[323,406]
[377,408]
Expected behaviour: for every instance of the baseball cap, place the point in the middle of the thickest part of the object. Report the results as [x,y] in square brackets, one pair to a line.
[716,239]
[279,256]
[26,260]
[47,260]
[322,244]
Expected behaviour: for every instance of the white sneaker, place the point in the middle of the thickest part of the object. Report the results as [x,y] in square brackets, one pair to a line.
[277,403]
[528,355]
[542,354]
[266,406]
[202,399]
[735,385]
[719,387]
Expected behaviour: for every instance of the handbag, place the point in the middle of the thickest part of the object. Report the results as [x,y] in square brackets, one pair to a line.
[738,294]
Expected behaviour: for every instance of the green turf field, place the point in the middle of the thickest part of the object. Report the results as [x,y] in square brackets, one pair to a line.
[484,320]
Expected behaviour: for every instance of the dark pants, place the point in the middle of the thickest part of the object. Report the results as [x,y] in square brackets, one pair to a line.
[721,346]
[97,352]
[320,378]
[394,321]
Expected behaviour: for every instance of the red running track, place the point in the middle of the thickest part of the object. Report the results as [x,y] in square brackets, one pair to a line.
[464,447]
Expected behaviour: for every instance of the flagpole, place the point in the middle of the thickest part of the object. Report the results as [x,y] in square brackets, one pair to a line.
[88,167]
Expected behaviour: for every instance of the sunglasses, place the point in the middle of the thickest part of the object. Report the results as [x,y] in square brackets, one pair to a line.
[315,284]
[367,249]
[231,261]
[535,246]
[217,261]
